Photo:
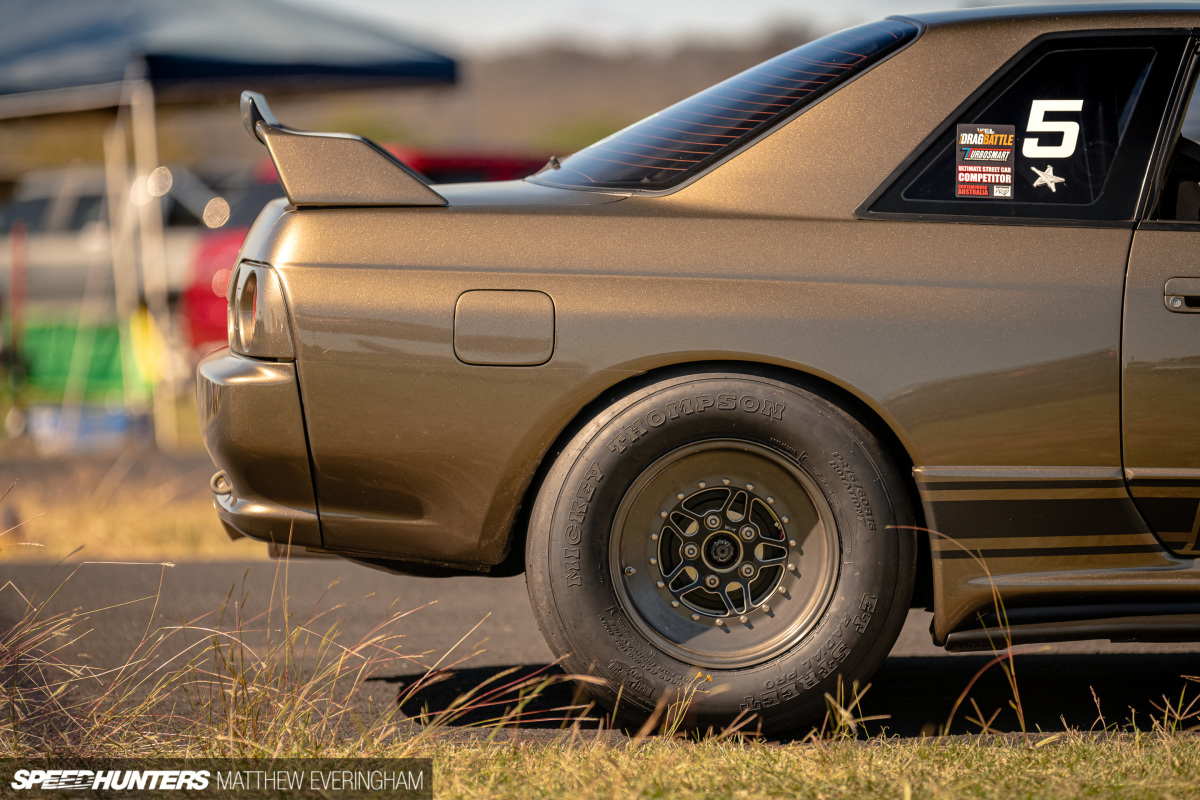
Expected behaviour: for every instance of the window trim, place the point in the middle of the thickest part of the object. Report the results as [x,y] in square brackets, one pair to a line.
[867,209]
[762,135]
[1186,82]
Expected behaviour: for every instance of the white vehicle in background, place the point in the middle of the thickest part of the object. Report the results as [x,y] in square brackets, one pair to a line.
[64,214]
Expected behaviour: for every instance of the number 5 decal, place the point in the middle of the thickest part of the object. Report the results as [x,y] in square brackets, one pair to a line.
[1033,148]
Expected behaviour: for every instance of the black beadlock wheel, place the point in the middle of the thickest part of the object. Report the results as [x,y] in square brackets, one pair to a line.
[727,526]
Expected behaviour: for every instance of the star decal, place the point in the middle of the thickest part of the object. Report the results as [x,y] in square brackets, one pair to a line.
[1047,177]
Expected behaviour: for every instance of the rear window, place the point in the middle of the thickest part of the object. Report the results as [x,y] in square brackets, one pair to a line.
[671,146]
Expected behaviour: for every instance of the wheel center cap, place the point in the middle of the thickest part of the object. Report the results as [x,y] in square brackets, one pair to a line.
[722,551]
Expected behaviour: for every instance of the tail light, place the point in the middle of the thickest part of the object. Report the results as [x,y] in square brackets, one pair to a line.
[257,317]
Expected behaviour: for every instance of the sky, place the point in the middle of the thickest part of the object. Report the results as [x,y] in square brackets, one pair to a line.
[480,27]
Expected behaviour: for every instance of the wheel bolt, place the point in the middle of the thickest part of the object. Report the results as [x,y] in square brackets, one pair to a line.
[747,532]
[712,521]
[690,550]
[695,617]
[742,619]
[630,570]
[674,604]
[747,570]
[792,542]
[654,561]
[720,623]
[661,584]
[791,567]
[711,581]
[766,608]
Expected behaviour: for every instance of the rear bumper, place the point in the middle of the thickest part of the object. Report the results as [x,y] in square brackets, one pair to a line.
[253,428]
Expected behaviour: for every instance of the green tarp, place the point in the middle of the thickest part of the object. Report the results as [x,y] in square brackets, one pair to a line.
[48,349]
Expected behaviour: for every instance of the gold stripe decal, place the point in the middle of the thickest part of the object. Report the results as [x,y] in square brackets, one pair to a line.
[949,484]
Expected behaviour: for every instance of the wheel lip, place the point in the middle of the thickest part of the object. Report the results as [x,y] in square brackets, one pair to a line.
[805,624]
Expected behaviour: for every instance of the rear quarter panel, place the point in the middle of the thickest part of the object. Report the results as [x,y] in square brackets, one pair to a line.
[972,346]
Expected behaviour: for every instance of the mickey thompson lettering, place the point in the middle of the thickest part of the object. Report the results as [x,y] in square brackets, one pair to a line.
[858,493]
[656,417]
[576,516]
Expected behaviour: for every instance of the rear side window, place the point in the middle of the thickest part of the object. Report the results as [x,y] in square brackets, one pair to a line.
[1066,133]
[671,146]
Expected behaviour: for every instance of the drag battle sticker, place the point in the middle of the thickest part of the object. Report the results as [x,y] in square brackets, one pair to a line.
[983,159]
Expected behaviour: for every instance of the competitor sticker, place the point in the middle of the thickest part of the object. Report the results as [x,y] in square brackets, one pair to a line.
[983,158]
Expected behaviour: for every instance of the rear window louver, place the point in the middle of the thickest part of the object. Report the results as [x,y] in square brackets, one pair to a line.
[667,148]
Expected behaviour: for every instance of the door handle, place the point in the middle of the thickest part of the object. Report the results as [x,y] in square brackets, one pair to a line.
[1182,295]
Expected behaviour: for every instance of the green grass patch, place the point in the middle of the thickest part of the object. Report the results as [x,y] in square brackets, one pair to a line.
[1054,767]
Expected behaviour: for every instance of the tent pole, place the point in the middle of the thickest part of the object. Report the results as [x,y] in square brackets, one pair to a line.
[154,273]
[120,236]
[83,348]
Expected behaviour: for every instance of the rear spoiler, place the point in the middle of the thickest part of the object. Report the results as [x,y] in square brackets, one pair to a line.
[334,169]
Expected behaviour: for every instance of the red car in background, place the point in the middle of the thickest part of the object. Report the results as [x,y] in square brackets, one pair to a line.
[204,298]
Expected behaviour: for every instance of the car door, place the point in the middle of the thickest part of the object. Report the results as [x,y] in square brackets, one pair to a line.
[1160,359]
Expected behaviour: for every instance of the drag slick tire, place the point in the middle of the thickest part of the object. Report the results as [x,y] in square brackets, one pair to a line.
[727,525]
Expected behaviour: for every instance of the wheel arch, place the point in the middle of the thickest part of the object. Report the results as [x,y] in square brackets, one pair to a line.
[892,443]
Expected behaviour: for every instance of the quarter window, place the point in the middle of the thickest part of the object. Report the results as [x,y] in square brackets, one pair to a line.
[1065,134]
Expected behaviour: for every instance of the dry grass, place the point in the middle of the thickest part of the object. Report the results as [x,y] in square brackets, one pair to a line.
[134,505]
[286,683]
[187,530]
[283,683]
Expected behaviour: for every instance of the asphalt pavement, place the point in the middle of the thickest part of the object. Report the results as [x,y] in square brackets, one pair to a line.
[485,626]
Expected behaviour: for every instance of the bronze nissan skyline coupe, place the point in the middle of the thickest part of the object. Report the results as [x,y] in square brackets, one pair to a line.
[906,316]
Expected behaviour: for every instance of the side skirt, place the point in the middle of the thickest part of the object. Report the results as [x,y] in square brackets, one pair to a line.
[1162,622]
[1040,537]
